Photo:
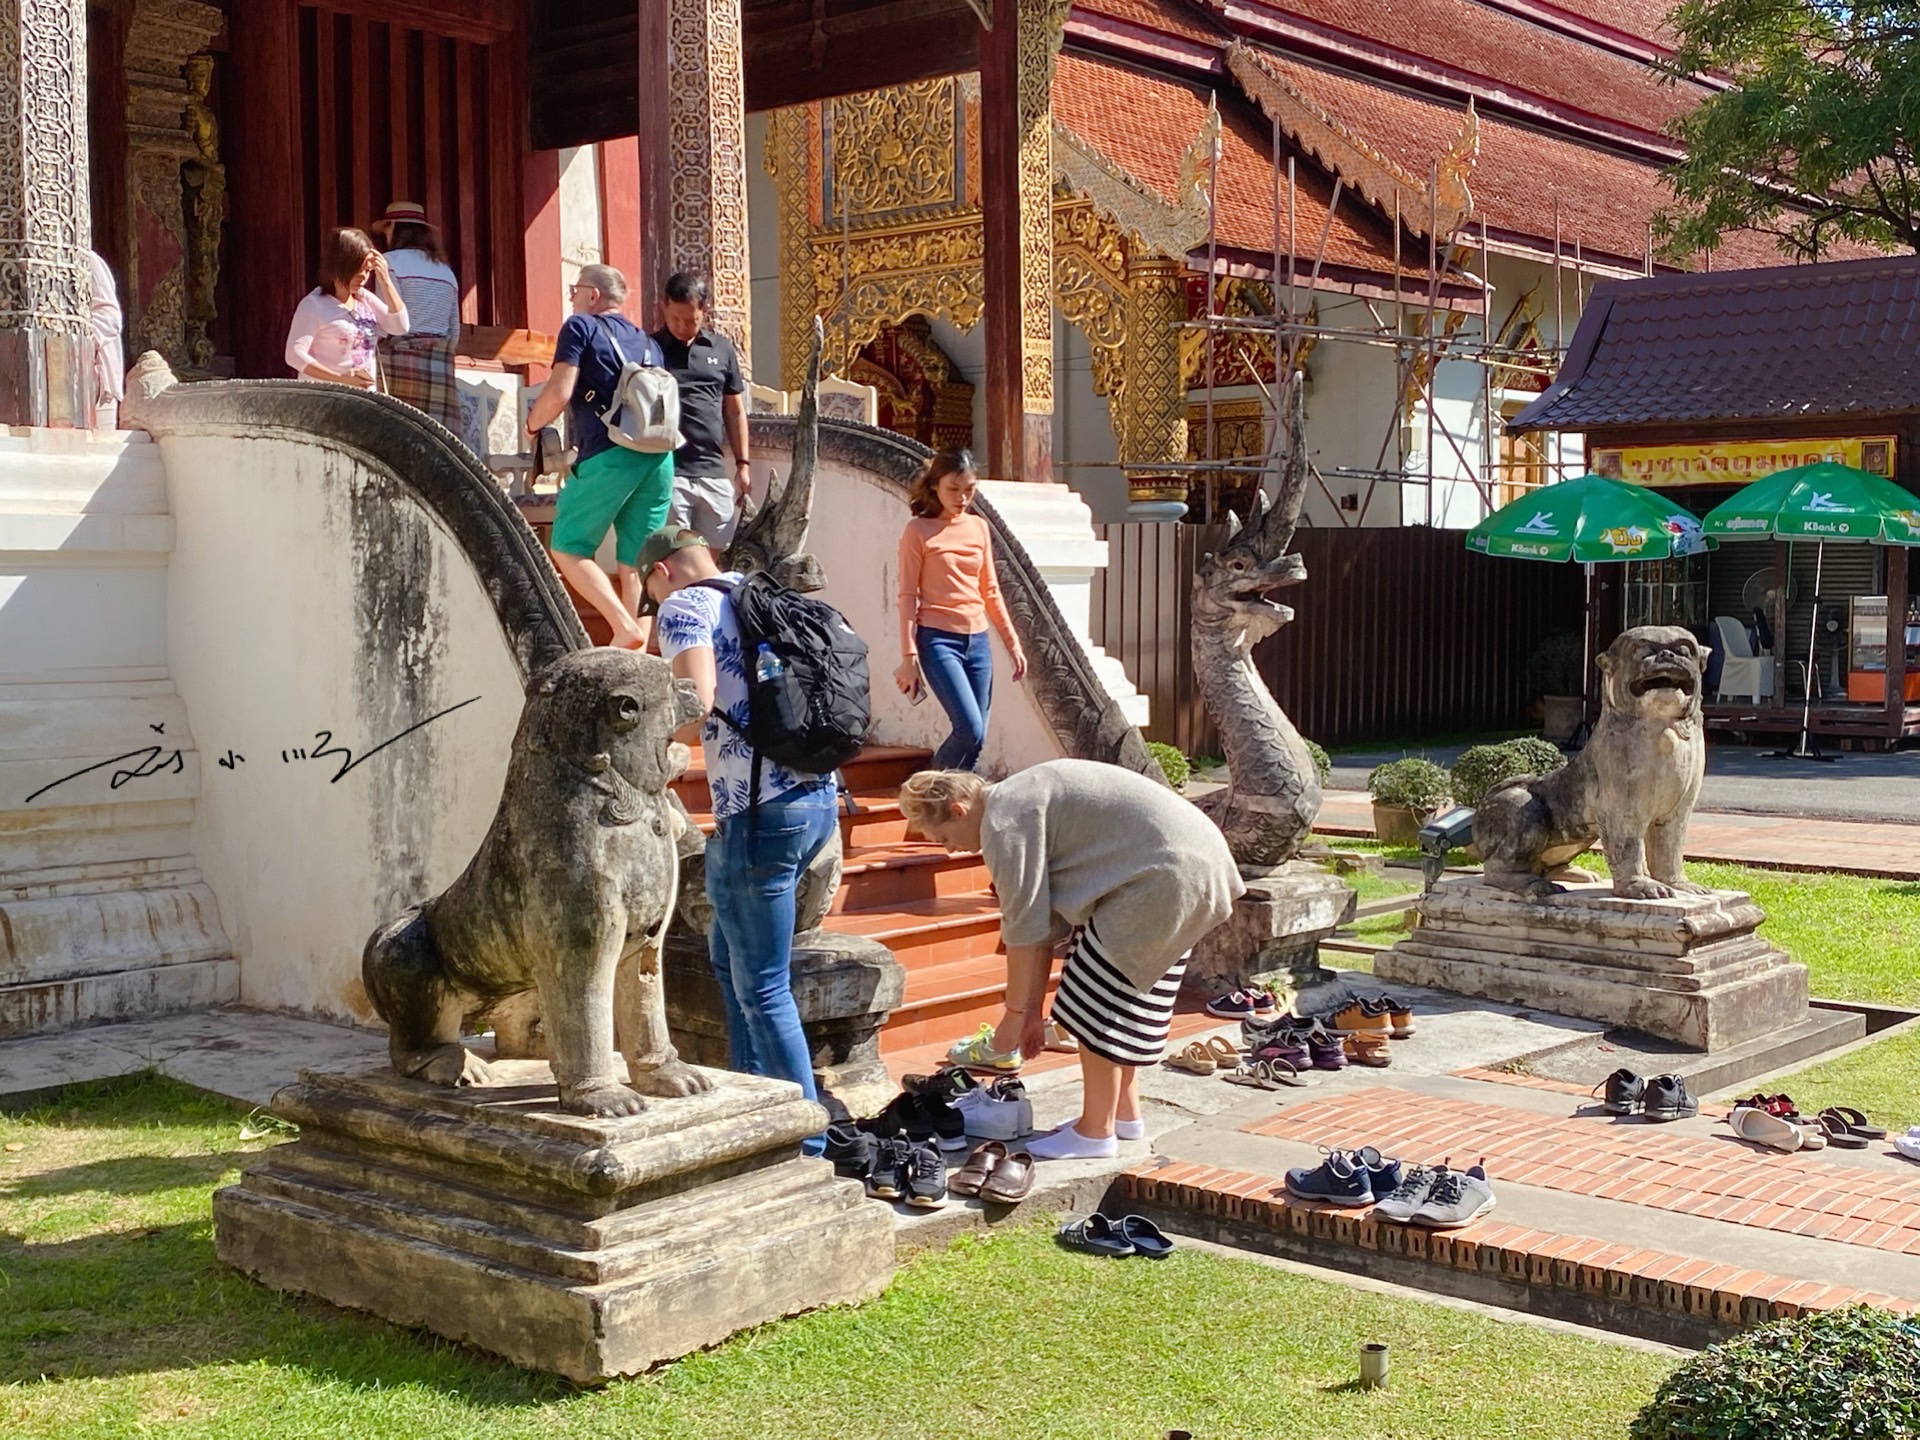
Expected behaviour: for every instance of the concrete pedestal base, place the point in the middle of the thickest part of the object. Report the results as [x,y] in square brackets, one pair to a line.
[1275,933]
[591,1248]
[1690,970]
[845,987]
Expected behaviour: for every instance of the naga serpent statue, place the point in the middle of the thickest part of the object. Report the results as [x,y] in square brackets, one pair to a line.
[1273,792]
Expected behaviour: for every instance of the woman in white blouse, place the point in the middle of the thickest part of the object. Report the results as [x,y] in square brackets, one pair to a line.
[336,327]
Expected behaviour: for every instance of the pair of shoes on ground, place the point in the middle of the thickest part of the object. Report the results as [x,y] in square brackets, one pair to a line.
[1431,1195]
[998,1110]
[926,1109]
[1303,1044]
[1245,1005]
[1099,1234]
[994,1173]
[1379,1013]
[890,1167]
[1776,1122]
[1217,1053]
[1663,1098]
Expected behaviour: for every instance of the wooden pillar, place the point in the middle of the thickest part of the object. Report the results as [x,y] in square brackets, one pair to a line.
[693,158]
[1153,395]
[1016,186]
[46,224]
[620,205]
[269,220]
[546,299]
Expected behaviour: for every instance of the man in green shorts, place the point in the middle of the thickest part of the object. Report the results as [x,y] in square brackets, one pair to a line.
[612,487]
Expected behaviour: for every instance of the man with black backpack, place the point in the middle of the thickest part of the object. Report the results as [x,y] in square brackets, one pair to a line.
[784,680]
[615,485]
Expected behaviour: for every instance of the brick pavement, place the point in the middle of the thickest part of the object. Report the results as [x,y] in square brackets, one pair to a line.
[1715,1177]
[1773,842]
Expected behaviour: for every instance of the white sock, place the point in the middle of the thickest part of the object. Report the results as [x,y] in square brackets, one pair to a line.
[1129,1129]
[1067,1143]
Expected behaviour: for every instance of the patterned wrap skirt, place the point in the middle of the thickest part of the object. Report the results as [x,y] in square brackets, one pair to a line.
[419,370]
[1106,1012]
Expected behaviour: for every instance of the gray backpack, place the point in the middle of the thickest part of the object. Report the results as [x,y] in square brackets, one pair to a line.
[643,412]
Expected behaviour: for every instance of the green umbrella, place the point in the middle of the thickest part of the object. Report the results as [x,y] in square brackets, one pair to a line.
[1589,519]
[1821,501]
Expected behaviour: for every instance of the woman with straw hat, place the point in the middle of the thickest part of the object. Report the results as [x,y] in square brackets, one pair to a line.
[419,364]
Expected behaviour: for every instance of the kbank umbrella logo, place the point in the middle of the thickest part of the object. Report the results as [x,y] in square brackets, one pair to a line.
[1540,524]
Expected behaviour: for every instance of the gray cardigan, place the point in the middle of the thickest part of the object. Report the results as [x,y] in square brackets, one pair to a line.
[1095,844]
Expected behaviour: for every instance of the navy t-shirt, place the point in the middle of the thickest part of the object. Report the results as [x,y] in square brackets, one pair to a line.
[584,341]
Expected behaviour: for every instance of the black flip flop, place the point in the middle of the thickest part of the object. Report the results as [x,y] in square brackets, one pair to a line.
[1855,1122]
[1097,1235]
[1145,1237]
[1839,1134]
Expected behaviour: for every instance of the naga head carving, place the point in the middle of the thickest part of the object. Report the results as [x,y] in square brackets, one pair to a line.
[1233,587]
[609,715]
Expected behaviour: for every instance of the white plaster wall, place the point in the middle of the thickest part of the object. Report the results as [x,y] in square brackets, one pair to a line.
[580,228]
[1083,428]
[312,604]
[763,257]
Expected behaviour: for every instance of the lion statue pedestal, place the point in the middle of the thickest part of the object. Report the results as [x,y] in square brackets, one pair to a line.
[1688,969]
[587,1246]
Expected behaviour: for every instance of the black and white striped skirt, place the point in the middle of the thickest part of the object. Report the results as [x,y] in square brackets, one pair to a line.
[1106,1012]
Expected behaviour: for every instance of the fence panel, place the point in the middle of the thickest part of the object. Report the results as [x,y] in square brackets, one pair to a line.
[1397,633]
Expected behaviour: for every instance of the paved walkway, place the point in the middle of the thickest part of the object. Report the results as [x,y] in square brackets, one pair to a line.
[1774,842]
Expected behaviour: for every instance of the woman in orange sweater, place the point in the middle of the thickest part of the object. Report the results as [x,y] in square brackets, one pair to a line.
[948,594]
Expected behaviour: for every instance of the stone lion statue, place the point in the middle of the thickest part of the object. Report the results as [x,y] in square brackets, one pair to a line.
[568,896]
[1632,788]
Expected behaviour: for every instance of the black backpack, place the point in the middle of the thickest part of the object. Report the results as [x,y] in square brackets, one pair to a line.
[812,715]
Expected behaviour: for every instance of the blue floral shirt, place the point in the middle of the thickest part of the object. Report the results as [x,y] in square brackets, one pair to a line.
[689,620]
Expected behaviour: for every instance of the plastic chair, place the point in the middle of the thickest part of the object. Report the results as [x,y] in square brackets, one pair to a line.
[1743,674]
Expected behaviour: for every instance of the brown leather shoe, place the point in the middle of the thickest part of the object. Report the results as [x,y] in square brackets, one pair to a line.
[1010,1181]
[980,1166]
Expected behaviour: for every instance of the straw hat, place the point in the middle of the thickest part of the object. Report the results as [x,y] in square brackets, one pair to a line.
[402,212]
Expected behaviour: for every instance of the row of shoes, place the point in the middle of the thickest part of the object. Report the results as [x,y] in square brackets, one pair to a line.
[976,1052]
[949,1105]
[1437,1196]
[1663,1098]
[1776,1122]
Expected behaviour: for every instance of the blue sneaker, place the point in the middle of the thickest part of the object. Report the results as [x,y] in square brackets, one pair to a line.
[1383,1175]
[1340,1179]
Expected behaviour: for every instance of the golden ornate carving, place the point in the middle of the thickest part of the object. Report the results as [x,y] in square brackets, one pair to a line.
[893,153]
[1240,356]
[922,393]
[1041,25]
[1090,284]
[205,178]
[785,159]
[889,275]
[707,159]
[1169,227]
[1152,419]
[1361,163]
[1239,430]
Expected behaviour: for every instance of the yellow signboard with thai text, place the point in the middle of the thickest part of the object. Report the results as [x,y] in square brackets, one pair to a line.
[1735,462]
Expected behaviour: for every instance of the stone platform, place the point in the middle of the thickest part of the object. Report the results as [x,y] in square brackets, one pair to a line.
[1690,969]
[591,1248]
[1274,933]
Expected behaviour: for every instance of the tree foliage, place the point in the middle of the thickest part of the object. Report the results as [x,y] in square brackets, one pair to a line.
[1815,141]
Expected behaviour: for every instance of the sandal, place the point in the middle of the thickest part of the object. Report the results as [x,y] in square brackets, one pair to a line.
[1266,1075]
[1196,1059]
[980,1165]
[1367,1049]
[1839,1134]
[1097,1235]
[1855,1122]
[1225,1055]
[1145,1237]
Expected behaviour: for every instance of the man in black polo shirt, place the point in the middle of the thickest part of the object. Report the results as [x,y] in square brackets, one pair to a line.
[708,496]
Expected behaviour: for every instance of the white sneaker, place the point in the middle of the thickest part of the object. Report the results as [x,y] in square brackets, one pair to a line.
[1908,1145]
[1007,1116]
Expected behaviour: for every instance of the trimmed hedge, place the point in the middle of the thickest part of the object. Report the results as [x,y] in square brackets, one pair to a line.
[1173,764]
[1414,782]
[1484,766]
[1322,762]
[1837,1375]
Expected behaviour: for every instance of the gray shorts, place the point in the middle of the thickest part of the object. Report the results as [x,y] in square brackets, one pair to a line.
[704,503]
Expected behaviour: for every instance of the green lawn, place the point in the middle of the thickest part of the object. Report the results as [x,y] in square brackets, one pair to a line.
[118,1321]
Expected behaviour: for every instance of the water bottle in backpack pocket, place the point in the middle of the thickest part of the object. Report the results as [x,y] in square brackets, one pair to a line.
[776,701]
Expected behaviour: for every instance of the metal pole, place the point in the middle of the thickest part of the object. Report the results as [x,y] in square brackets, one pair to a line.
[1213,261]
[1487,466]
[1433,298]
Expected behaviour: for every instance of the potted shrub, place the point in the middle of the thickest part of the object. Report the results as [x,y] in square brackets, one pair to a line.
[1406,794]
[1174,765]
[1553,674]
[1481,768]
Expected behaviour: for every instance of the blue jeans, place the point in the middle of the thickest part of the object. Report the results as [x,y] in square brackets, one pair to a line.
[959,672]
[754,864]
